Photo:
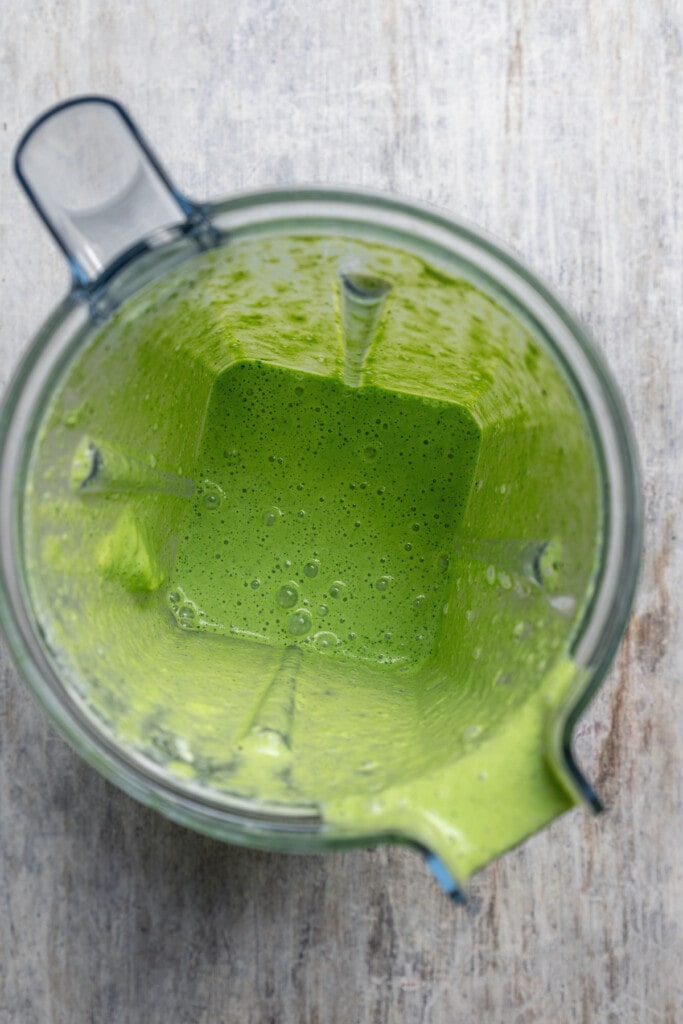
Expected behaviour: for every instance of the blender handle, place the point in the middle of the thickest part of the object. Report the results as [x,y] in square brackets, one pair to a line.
[97,185]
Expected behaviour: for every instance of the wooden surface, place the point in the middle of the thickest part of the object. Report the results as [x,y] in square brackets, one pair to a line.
[556,125]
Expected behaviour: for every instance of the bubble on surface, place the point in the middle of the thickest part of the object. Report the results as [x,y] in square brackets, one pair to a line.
[311,569]
[288,595]
[337,589]
[300,622]
[188,614]
[324,640]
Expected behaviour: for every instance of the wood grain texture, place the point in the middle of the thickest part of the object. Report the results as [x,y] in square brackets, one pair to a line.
[556,125]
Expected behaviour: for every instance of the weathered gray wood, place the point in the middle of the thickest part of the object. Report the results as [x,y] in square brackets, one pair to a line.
[555,124]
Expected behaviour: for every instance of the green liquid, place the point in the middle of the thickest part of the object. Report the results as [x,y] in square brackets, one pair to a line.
[325,516]
[365,606]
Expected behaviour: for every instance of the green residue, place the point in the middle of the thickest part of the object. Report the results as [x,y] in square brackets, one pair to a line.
[287,590]
[126,554]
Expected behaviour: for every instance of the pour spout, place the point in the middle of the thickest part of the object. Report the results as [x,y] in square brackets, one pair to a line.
[96,183]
